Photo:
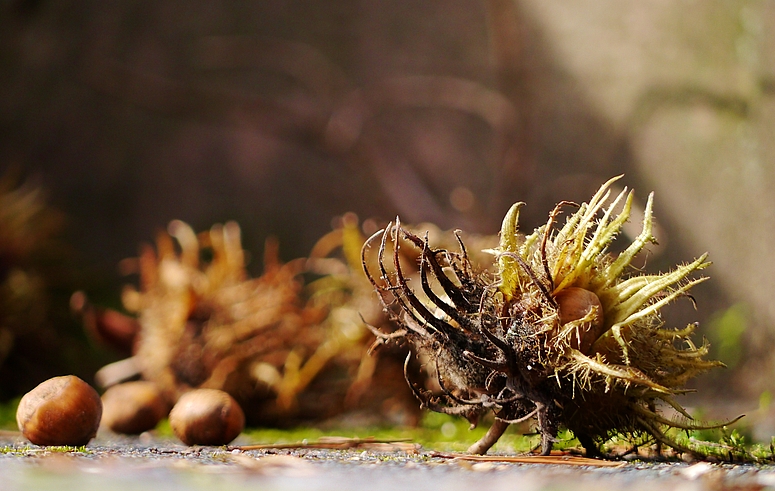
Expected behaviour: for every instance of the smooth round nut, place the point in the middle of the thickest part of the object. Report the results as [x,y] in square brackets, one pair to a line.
[133,407]
[207,417]
[576,303]
[60,411]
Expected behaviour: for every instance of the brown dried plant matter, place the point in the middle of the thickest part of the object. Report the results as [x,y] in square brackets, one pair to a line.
[564,332]
[38,338]
[27,226]
[286,351]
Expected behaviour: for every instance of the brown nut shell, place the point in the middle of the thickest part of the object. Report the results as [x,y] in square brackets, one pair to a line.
[133,407]
[60,411]
[207,417]
[575,303]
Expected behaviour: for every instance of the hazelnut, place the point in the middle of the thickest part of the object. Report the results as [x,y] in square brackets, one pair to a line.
[575,303]
[60,411]
[207,417]
[133,407]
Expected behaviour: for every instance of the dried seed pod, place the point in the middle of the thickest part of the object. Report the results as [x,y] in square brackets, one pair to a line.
[133,407]
[564,332]
[207,417]
[60,411]
[36,271]
[290,352]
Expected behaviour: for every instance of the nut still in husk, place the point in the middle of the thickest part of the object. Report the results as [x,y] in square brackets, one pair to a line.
[60,411]
[564,332]
[207,417]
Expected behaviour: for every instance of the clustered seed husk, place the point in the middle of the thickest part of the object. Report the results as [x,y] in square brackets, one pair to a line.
[287,351]
[27,227]
[37,337]
[519,342]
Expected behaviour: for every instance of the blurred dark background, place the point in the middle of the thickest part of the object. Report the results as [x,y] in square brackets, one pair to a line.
[284,114]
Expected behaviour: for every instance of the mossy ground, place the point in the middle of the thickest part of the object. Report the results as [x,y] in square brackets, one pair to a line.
[444,433]
[436,431]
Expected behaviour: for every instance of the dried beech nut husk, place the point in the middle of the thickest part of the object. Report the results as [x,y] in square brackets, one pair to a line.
[133,407]
[575,303]
[207,417]
[60,411]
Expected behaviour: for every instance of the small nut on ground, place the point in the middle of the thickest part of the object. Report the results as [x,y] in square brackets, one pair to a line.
[60,411]
[207,417]
[133,407]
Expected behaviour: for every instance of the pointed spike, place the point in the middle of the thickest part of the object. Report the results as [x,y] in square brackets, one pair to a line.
[364,248]
[407,293]
[509,242]
[429,257]
[452,291]
[426,288]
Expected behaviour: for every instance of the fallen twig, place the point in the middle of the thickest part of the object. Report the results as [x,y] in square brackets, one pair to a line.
[531,459]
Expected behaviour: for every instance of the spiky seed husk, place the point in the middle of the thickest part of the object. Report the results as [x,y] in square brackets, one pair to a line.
[289,352]
[564,332]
